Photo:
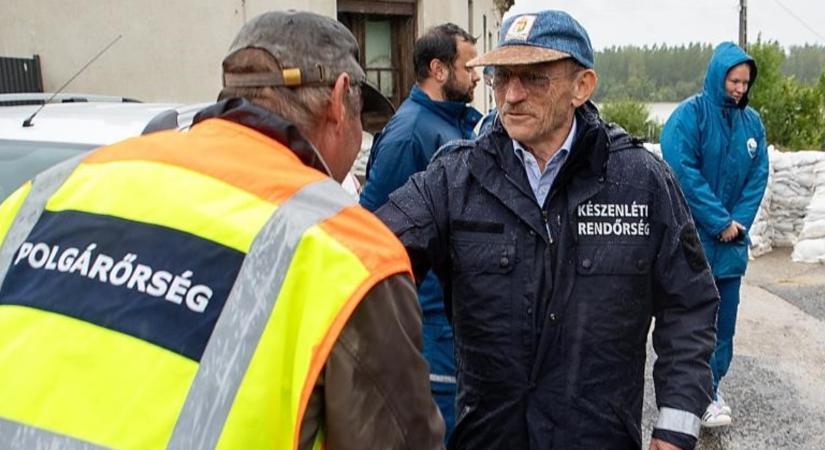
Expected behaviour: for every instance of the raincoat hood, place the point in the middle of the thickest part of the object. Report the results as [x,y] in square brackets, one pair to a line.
[725,57]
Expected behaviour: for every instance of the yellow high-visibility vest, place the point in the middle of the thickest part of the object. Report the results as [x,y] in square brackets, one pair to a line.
[177,290]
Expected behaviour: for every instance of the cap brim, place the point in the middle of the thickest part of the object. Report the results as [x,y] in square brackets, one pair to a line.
[516,55]
[374,101]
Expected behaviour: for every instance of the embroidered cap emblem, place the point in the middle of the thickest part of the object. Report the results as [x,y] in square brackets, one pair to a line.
[520,28]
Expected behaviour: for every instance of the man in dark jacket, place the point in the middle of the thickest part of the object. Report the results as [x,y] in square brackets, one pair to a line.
[435,113]
[558,238]
[715,144]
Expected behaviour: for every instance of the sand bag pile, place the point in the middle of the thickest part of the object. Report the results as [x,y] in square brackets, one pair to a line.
[810,245]
[792,188]
[761,232]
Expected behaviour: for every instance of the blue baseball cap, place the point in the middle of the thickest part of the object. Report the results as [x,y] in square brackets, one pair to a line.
[539,37]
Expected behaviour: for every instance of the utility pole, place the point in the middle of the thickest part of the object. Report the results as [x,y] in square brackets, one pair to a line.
[743,24]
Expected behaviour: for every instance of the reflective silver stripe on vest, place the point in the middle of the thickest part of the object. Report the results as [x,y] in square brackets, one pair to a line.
[16,436]
[680,421]
[247,311]
[43,186]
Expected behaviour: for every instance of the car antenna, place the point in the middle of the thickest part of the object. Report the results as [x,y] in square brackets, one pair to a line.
[28,122]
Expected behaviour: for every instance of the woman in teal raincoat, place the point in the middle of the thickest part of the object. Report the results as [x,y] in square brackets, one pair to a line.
[715,144]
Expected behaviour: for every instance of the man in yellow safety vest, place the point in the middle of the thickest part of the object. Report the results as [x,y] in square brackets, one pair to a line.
[217,288]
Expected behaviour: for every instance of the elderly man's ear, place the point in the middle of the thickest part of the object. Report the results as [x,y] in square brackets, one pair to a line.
[583,86]
[337,112]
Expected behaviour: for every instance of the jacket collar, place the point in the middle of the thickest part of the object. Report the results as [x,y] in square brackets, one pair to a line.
[466,117]
[589,153]
[498,170]
[244,112]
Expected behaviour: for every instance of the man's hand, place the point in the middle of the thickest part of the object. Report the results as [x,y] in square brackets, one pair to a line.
[731,232]
[657,444]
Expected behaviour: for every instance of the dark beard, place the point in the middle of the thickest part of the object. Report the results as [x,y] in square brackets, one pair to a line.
[452,91]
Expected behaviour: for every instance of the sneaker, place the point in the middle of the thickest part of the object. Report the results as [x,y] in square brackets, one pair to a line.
[715,416]
[723,406]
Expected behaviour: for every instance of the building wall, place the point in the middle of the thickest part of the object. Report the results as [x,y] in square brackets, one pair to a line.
[486,26]
[169,50]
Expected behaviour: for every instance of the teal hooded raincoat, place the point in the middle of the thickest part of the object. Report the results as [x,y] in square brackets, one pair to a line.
[717,150]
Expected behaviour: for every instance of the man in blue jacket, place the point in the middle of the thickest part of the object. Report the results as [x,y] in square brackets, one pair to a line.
[557,238]
[435,113]
[715,144]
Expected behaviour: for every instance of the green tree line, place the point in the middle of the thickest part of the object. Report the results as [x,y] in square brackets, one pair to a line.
[651,74]
[789,92]
[662,73]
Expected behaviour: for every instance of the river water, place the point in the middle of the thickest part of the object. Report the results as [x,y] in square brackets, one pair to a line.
[661,111]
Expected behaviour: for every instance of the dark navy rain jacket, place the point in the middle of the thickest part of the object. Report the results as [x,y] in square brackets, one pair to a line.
[551,304]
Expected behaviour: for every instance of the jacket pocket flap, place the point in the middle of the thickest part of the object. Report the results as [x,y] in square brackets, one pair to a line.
[483,255]
[613,260]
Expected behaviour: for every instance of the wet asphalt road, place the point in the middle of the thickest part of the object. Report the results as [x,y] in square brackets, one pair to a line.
[776,383]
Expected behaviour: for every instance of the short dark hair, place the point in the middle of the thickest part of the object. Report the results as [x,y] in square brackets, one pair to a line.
[441,43]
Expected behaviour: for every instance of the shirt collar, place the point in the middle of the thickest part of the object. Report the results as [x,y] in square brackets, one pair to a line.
[565,148]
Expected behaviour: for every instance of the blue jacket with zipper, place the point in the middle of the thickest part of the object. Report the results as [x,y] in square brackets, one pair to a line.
[405,147]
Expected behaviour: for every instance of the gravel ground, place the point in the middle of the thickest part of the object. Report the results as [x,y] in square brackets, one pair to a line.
[802,285]
[776,381]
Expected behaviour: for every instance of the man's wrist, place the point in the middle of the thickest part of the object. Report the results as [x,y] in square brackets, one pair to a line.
[678,427]
[681,440]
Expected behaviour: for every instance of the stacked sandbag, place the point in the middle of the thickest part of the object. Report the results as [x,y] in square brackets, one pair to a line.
[656,149]
[794,180]
[359,167]
[761,232]
[810,247]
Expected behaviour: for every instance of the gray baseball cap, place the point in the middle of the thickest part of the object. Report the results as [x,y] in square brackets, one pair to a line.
[312,50]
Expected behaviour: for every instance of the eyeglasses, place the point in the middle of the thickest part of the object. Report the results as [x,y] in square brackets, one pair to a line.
[531,81]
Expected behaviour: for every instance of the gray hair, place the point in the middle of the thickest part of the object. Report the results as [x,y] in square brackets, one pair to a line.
[303,106]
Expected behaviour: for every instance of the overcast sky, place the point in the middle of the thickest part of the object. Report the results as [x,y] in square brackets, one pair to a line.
[640,22]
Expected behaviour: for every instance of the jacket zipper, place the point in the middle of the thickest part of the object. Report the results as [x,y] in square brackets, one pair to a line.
[546,216]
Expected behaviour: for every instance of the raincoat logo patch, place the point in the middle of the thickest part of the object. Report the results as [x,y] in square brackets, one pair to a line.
[613,219]
[752,147]
[520,29]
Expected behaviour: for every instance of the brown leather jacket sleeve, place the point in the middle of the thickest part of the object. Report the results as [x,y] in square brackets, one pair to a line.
[375,389]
